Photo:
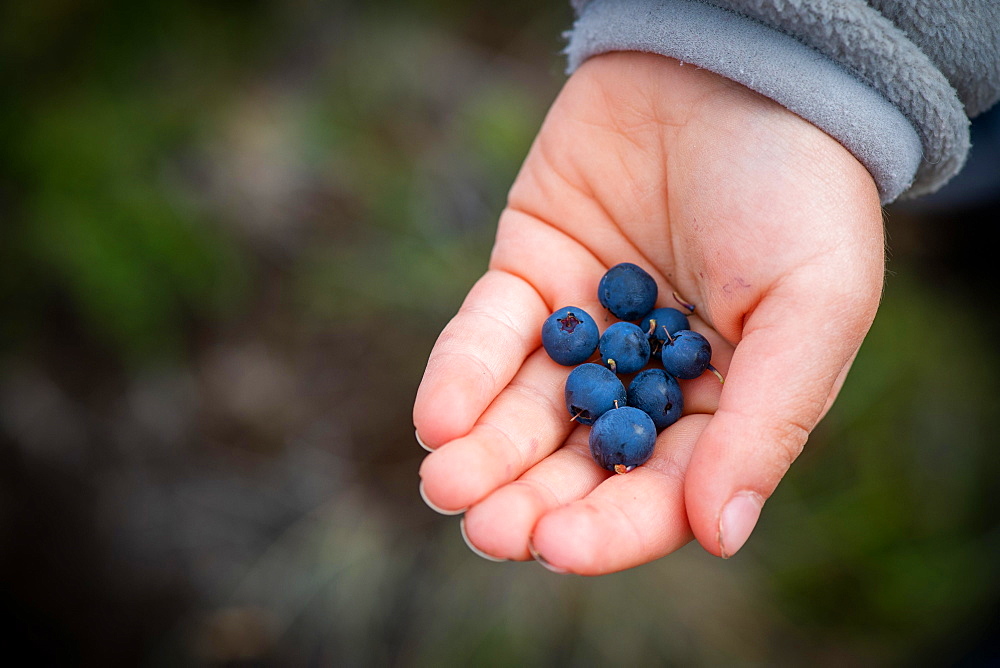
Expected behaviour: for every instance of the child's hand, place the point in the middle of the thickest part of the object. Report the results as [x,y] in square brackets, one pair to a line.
[764,222]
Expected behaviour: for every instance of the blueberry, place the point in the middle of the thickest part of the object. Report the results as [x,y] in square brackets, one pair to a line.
[622,439]
[658,394]
[570,336]
[686,355]
[656,320]
[591,391]
[627,291]
[624,347]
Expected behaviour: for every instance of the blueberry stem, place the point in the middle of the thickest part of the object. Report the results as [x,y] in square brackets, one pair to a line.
[573,419]
[667,332]
[652,326]
[717,373]
[683,303]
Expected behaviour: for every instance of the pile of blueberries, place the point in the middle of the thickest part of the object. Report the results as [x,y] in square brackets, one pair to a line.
[624,422]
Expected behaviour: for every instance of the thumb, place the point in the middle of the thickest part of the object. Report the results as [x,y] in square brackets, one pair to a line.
[785,372]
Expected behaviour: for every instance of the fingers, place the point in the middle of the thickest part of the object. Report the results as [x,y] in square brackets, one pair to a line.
[782,377]
[535,268]
[487,425]
[476,356]
[527,421]
[628,519]
[501,524]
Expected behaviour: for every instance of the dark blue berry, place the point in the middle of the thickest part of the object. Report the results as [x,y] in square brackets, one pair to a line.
[659,318]
[591,391]
[624,347]
[658,394]
[627,291]
[570,336]
[686,354]
[622,439]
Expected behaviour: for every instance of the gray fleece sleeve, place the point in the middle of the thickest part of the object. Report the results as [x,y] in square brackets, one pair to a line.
[894,81]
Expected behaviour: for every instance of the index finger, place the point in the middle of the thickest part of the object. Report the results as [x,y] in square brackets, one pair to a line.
[535,268]
[476,355]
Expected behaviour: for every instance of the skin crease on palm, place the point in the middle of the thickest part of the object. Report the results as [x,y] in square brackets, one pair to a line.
[763,221]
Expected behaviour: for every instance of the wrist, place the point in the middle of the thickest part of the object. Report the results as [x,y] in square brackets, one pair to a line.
[768,61]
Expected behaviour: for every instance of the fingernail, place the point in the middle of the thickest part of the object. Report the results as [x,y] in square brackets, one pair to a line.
[739,517]
[540,559]
[421,443]
[476,550]
[423,495]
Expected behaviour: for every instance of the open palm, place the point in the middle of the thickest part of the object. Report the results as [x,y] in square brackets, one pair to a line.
[764,222]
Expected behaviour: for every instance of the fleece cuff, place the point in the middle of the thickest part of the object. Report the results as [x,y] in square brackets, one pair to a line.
[770,62]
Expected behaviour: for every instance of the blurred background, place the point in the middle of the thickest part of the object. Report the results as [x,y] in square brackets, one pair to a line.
[230,234]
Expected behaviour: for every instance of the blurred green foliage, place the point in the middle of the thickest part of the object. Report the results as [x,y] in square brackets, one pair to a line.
[99,111]
[887,531]
[113,116]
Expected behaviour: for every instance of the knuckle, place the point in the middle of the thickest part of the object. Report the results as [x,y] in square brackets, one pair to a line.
[788,437]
